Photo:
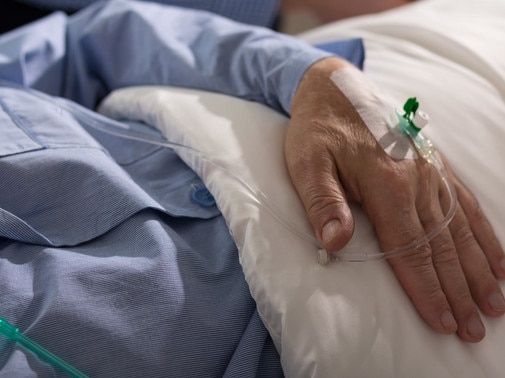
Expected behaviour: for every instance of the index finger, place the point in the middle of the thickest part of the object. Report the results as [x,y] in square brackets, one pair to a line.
[393,212]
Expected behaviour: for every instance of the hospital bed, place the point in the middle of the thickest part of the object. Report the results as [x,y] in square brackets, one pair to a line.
[350,319]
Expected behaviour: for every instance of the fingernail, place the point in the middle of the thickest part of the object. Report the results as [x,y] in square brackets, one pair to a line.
[448,321]
[330,230]
[497,302]
[476,328]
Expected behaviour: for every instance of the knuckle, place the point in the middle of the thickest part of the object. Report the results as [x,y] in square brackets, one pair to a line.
[391,185]
[433,292]
[463,237]
[395,176]
[319,200]
[318,203]
[444,252]
[423,257]
[418,260]
[407,234]
[398,232]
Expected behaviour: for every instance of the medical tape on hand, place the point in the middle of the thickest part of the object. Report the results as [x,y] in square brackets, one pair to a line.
[377,113]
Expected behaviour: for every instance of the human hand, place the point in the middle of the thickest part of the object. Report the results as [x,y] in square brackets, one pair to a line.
[333,158]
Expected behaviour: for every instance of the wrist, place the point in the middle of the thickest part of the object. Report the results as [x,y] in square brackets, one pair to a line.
[316,91]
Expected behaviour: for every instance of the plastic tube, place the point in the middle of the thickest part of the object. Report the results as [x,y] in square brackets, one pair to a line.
[406,122]
[13,333]
[410,123]
[324,257]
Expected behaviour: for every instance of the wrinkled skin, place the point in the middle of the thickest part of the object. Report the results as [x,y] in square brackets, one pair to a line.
[333,159]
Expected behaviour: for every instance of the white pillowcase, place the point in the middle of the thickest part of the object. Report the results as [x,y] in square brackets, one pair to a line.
[351,319]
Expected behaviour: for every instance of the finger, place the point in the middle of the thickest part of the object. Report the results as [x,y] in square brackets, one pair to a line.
[316,181]
[446,262]
[481,229]
[417,275]
[397,224]
[477,255]
[480,226]
[481,281]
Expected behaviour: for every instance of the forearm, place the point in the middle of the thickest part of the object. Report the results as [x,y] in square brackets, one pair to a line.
[122,43]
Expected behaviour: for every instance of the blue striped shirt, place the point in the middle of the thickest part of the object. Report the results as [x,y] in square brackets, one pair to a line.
[108,257]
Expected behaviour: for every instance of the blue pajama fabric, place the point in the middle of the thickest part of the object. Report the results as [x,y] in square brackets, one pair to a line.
[108,262]
[106,258]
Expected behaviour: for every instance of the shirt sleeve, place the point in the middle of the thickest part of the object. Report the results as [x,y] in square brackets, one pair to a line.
[124,43]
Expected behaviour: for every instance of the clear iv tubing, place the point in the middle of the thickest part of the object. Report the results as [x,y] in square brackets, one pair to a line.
[429,153]
[116,128]
[325,257]
[423,145]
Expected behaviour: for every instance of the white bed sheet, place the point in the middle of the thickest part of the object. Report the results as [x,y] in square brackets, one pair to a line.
[352,319]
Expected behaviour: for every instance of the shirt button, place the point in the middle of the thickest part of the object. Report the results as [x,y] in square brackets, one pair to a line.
[202,196]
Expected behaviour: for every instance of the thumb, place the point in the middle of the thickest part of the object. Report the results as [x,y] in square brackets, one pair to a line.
[325,202]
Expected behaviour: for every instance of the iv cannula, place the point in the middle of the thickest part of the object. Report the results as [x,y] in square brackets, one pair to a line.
[13,333]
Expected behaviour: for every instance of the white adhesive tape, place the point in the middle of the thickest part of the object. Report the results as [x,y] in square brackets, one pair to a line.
[377,113]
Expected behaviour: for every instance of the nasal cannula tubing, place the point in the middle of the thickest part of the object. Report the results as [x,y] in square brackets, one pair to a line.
[13,333]
[409,123]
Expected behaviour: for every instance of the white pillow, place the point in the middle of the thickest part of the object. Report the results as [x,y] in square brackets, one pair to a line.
[351,319]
